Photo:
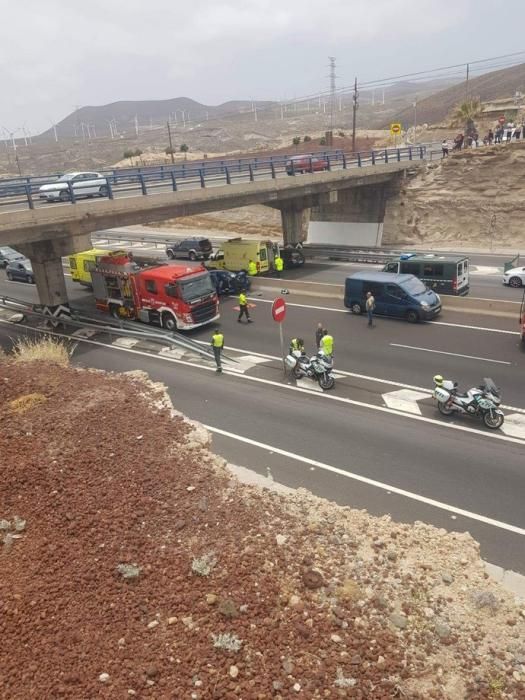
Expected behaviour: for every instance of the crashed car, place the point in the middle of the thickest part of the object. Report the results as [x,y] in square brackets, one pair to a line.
[227,282]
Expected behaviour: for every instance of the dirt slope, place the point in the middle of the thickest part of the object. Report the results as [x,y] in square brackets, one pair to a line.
[473,198]
[134,564]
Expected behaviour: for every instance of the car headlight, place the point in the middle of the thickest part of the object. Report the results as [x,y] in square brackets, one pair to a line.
[425,304]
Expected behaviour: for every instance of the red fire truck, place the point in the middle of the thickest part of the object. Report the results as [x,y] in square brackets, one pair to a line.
[172,296]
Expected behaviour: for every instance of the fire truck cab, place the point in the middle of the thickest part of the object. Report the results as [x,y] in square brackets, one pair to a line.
[175,297]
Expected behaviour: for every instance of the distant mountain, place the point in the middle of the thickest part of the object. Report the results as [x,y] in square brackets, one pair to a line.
[490,86]
[125,116]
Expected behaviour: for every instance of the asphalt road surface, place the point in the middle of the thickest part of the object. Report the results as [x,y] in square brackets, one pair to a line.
[376,441]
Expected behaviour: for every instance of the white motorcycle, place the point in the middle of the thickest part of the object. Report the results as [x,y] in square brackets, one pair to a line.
[481,402]
[317,367]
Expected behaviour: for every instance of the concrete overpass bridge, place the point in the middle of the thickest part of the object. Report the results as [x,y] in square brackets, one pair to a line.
[46,234]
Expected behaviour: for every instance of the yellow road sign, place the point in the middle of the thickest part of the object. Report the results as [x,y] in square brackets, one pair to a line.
[395,129]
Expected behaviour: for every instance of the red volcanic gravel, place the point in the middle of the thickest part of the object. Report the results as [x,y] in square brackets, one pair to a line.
[313,598]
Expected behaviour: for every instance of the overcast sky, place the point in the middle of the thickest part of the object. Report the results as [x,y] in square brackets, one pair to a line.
[55,54]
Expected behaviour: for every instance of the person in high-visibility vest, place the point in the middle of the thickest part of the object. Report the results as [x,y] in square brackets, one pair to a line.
[327,343]
[296,344]
[217,343]
[243,308]
[279,265]
[252,268]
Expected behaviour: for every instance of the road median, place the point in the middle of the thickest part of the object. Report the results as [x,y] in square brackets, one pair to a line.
[324,290]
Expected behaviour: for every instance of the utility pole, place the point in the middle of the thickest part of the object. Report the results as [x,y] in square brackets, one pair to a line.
[255,111]
[136,125]
[332,90]
[171,144]
[354,113]
[466,84]
[415,121]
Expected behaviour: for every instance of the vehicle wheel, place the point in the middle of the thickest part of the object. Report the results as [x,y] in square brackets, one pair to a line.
[326,382]
[170,255]
[412,316]
[493,420]
[356,308]
[169,322]
[103,191]
[297,372]
[444,409]
[9,276]
[114,311]
[64,196]
[515,282]
[30,280]
[192,256]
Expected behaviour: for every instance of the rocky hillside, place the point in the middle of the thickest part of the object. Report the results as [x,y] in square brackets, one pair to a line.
[135,564]
[473,198]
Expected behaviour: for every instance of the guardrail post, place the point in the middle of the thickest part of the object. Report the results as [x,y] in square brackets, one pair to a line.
[201,176]
[110,188]
[29,196]
[386,155]
[228,176]
[71,193]
[421,155]
[183,170]
[173,181]
[328,163]
[272,166]
[373,158]
[410,153]
[359,163]
[143,183]
[250,168]
[398,155]
[344,161]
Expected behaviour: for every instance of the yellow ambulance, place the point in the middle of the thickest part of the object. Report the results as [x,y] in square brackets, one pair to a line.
[235,254]
[81,264]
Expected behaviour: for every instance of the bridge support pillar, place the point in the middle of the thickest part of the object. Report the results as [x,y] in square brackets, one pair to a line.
[295,220]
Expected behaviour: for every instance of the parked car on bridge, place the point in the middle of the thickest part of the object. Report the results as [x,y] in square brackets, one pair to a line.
[8,254]
[83,185]
[190,248]
[20,271]
[515,277]
[305,164]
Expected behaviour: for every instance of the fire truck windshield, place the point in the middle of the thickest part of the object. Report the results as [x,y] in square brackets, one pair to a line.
[195,286]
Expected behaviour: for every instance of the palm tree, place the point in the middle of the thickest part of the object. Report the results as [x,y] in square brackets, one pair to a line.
[466,113]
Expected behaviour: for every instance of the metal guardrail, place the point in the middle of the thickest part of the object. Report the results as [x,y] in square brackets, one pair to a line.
[23,191]
[119,328]
[511,263]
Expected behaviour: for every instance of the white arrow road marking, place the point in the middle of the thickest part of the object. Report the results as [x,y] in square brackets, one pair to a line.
[404,400]
[514,425]
[125,342]
[245,363]
[308,384]
[454,354]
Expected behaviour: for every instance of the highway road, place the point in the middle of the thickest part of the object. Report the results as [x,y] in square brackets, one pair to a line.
[376,441]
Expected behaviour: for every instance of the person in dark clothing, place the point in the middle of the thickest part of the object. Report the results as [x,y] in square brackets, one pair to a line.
[318,335]
[490,137]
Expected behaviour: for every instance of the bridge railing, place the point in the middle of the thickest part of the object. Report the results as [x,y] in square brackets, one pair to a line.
[25,192]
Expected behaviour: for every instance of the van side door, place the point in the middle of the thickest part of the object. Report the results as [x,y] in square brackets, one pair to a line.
[396,300]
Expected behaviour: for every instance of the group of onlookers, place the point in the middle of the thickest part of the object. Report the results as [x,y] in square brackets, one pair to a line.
[502,133]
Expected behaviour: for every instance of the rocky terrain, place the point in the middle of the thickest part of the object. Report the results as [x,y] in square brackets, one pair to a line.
[135,564]
[473,198]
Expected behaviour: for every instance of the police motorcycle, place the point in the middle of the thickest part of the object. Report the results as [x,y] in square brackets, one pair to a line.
[481,402]
[318,367]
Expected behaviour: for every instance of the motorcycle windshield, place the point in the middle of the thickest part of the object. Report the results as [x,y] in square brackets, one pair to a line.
[489,386]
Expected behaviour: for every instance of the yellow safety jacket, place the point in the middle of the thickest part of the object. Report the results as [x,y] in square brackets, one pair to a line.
[217,340]
[242,299]
[252,269]
[327,344]
[279,264]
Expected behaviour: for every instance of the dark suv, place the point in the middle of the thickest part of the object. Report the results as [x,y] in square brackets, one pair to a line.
[191,248]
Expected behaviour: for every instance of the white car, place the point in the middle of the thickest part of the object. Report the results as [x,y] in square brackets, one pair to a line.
[83,184]
[515,277]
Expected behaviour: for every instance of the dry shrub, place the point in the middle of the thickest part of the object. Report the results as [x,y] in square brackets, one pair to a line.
[26,402]
[47,350]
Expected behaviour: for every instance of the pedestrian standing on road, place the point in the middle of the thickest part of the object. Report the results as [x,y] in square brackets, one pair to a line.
[243,308]
[490,137]
[217,343]
[318,335]
[279,265]
[252,268]
[327,344]
[370,306]
[444,148]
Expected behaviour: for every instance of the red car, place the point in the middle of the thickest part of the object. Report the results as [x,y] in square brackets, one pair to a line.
[305,164]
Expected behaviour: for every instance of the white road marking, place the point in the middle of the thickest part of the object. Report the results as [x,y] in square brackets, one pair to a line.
[371,482]
[485,270]
[514,425]
[433,323]
[289,387]
[405,400]
[308,384]
[454,354]
[125,342]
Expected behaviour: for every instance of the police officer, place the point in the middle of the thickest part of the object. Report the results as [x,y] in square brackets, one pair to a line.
[327,343]
[217,343]
[243,308]
[252,268]
[279,265]
[296,344]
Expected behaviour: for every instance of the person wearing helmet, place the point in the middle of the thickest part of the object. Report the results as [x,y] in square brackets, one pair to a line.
[296,344]
[438,380]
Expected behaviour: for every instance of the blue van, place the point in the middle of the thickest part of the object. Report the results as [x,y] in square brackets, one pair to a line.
[404,296]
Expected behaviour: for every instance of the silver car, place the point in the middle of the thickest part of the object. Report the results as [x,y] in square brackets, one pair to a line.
[83,185]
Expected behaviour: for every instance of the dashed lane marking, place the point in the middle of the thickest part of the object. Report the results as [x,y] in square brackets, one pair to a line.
[370,482]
